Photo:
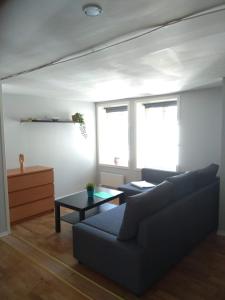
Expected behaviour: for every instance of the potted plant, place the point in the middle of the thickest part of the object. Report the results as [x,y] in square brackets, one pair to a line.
[78,118]
[90,187]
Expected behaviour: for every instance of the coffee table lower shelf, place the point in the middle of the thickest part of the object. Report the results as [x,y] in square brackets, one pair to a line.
[73,217]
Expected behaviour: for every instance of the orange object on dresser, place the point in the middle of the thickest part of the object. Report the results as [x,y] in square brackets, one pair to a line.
[31,192]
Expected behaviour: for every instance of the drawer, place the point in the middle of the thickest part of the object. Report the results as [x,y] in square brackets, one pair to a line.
[31,209]
[30,195]
[29,180]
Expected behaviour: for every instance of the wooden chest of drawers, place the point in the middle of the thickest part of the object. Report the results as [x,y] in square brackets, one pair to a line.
[31,192]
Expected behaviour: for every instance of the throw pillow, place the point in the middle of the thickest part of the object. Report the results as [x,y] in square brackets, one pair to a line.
[184,184]
[206,175]
[143,205]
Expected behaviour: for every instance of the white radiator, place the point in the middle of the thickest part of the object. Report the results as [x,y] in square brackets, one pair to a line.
[111,180]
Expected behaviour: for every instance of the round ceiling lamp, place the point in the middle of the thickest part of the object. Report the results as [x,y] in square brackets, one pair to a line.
[92,10]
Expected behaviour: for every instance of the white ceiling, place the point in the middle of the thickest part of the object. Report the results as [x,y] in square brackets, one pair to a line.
[182,56]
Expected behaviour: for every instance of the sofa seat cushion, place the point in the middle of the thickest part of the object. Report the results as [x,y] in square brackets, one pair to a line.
[130,190]
[109,221]
[206,175]
[184,184]
[144,205]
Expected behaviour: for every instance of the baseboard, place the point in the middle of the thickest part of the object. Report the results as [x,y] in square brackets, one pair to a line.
[4,234]
[221,232]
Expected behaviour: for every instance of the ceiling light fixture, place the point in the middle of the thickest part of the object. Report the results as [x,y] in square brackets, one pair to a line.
[92,10]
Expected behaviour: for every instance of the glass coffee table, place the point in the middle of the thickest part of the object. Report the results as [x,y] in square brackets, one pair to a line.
[85,207]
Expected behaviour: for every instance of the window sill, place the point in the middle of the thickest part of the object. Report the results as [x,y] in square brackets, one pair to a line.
[137,169]
[113,166]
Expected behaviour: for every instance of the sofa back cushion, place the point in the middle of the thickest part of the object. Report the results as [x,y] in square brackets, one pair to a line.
[155,175]
[206,175]
[144,205]
[184,184]
[181,224]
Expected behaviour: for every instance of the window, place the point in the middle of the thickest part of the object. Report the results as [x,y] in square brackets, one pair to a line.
[157,135]
[113,142]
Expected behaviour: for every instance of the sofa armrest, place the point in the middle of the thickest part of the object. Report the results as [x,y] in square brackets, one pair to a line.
[156,176]
[86,237]
[120,261]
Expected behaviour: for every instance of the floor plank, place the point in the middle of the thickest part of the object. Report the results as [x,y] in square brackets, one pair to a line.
[60,270]
[23,279]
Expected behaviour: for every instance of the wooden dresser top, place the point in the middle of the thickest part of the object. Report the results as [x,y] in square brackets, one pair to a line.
[27,170]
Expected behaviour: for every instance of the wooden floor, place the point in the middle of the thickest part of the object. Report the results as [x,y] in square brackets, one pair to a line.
[20,278]
[37,263]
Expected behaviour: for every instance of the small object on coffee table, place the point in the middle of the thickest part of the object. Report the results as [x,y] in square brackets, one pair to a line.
[102,195]
[142,184]
[90,189]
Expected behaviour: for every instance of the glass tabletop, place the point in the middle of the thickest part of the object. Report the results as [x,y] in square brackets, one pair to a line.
[81,201]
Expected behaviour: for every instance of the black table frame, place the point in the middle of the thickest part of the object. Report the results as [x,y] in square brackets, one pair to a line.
[82,211]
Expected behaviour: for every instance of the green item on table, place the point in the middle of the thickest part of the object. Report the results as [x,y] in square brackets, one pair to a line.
[103,195]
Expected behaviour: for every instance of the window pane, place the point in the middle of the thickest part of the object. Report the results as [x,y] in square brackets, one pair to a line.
[113,136]
[157,137]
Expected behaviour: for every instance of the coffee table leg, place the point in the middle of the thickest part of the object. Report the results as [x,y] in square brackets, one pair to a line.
[122,199]
[82,215]
[57,218]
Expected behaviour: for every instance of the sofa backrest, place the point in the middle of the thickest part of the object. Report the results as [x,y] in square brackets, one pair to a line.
[183,223]
[156,176]
[184,184]
[206,175]
[142,205]
[189,182]
[147,204]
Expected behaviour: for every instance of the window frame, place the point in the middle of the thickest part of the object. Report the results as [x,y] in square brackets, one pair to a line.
[156,99]
[110,104]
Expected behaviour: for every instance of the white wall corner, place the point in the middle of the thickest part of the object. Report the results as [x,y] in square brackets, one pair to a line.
[4,205]
[222,169]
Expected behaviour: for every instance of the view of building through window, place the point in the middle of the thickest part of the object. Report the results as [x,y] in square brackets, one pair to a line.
[113,142]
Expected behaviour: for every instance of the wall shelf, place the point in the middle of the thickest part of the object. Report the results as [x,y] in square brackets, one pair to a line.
[55,120]
[45,121]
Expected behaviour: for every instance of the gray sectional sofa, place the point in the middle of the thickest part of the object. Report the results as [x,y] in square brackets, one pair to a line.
[135,243]
[150,175]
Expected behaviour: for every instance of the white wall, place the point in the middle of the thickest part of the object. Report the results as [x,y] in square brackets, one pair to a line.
[200,128]
[57,145]
[200,132]
[4,211]
[73,158]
